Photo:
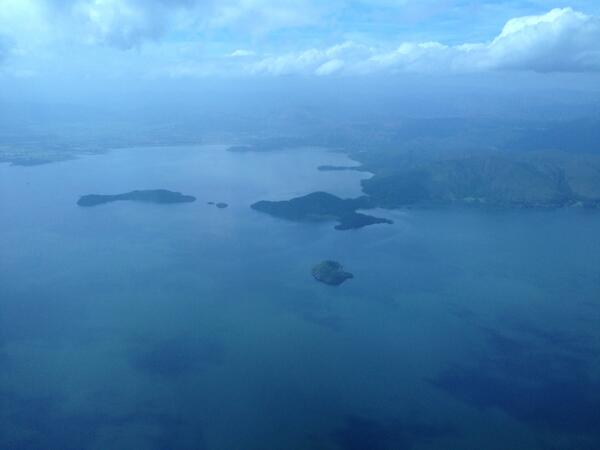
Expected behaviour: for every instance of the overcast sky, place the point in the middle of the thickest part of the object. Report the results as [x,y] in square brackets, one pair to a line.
[153,39]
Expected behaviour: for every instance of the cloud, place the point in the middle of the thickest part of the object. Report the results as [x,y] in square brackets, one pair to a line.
[415,57]
[23,21]
[126,24]
[240,53]
[122,24]
[562,40]
[313,61]
[208,37]
[3,48]
[263,16]
[330,67]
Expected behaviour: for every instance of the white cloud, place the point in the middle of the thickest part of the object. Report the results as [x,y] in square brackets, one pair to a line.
[128,23]
[23,21]
[313,61]
[123,23]
[424,56]
[262,16]
[561,40]
[40,32]
[116,22]
[330,67]
[240,53]
[3,48]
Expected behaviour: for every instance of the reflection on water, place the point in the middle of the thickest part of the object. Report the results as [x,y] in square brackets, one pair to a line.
[191,327]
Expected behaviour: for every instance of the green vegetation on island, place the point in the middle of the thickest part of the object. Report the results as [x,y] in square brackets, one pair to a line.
[161,196]
[531,181]
[330,168]
[423,162]
[220,205]
[320,206]
[330,272]
[241,148]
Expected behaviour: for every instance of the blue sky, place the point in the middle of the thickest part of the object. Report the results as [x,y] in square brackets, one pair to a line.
[194,38]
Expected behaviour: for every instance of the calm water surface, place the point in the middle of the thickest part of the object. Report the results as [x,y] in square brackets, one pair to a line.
[139,326]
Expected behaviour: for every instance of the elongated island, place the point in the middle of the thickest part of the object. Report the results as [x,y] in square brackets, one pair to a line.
[161,196]
[321,206]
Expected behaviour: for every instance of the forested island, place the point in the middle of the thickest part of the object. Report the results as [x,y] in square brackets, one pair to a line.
[321,206]
[330,272]
[220,205]
[161,196]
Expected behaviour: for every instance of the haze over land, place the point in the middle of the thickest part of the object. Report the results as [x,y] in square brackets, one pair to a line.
[515,91]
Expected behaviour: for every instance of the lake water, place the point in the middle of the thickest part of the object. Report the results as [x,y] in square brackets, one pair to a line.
[165,327]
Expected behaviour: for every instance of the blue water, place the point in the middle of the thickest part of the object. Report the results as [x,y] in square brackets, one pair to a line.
[139,326]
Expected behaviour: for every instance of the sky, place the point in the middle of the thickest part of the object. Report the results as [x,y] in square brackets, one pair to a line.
[172,39]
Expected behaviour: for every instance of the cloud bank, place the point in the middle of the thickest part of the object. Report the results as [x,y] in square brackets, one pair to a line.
[126,24]
[3,47]
[562,40]
[123,24]
[187,38]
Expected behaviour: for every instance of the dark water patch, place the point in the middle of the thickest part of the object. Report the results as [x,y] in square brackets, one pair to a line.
[28,411]
[331,322]
[4,358]
[360,433]
[30,315]
[514,356]
[176,356]
[580,345]
[579,443]
[462,312]
[540,385]
[567,406]
[32,423]
[39,422]
[415,268]
[180,434]
[314,310]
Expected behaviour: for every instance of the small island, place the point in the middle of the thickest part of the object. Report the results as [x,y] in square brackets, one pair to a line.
[220,205]
[330,168]
[320,206]
[331,273]
[241,148]
[161,196]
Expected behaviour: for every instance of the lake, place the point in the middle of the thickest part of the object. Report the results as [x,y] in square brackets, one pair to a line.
[185,326]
